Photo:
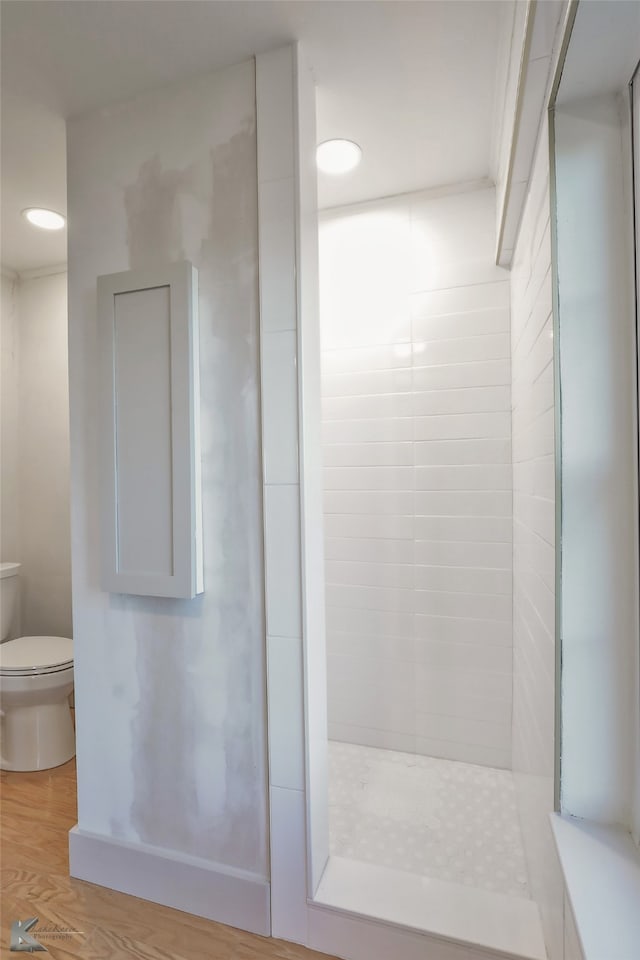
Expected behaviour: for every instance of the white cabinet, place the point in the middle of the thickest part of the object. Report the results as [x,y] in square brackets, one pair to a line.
[151,486]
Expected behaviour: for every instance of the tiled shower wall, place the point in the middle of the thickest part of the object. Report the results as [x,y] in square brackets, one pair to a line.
[533,482]
[417,428]
[534,545]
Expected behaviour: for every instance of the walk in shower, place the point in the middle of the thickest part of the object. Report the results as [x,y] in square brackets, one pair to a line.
[418,516]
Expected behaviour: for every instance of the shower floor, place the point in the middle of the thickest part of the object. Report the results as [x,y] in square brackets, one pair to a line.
[435,818]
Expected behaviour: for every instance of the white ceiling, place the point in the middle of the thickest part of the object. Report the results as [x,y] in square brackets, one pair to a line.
[613,29]
[411,82]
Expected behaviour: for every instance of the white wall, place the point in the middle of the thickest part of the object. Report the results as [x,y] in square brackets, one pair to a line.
[9,432]
[416,415]
[35,450]
[534,642]
[599,456]
[170,695]
[43,470]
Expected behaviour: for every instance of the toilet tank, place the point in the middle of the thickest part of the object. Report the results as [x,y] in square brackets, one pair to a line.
[8,596]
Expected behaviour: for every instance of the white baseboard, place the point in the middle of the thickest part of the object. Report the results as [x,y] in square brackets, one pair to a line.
[211,890]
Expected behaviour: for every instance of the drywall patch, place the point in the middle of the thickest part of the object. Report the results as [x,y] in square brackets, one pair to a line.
[154,233]
[192,749]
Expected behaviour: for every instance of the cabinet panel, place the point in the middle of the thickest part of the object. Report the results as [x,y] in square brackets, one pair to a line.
[151,513]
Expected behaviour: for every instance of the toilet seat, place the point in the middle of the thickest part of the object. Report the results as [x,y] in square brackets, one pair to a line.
[35,656]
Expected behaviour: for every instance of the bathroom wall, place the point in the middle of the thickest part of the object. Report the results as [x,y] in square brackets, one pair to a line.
[533,482]
[417,426]
[534,545]
[43,467]
[9,352]
[170,695]
[35,450]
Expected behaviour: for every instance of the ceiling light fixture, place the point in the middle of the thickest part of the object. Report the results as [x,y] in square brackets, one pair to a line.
[338,156]
[45,219]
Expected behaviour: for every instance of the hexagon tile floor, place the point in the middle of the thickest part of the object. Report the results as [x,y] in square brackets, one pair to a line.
[437,818]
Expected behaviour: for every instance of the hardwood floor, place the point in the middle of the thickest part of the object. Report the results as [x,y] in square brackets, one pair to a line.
[38,810]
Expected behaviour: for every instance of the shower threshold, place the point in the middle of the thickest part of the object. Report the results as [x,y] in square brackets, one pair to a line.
[496,923]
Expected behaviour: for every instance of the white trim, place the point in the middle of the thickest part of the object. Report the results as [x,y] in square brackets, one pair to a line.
[429,193]
[181,516]
[200,887]
[36,272]
[535,82]
[601,866]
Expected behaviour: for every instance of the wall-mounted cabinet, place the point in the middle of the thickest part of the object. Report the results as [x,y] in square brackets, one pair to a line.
[151,491]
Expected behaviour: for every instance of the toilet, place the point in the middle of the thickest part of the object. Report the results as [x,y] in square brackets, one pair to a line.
[36,680]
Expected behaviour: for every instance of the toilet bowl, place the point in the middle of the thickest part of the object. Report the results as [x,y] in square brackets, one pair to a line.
[36,680]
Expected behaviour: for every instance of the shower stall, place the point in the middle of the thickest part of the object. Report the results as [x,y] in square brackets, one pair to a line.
[419,473]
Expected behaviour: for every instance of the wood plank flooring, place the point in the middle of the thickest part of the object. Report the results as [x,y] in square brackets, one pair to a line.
[37,811]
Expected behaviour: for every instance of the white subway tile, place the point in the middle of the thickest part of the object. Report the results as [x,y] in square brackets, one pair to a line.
[462,579]
[447,700]
[369,243]
[370,598]
[489,529]
[282,560]
[369,383]
[370,737]
[368,526]
[459,554]
[482,733]
[534,488]
[274,96]
[367,431]
[279,407]
[491,346]
[462,400]
[368,408]
[366,359]
[454,325]
[418,477]
[463,503]
[377,623]
[286,713]
[477,655]
[459,684]
[469,605]
[387,502]
[456,274]
[379,551]
[370,647]
[372,672]
[384,698]
[468,426]
[346,572]
[450,376]
[464,477]
[368,478]
[368,454]
[288,864]
[277,255]
[499,757]
[478,450]
[456,630]
[469,299]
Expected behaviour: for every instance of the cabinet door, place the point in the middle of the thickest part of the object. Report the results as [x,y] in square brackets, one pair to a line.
[151,501]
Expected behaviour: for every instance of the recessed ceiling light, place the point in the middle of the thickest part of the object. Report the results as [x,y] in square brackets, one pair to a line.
[338,156]
[45,219]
